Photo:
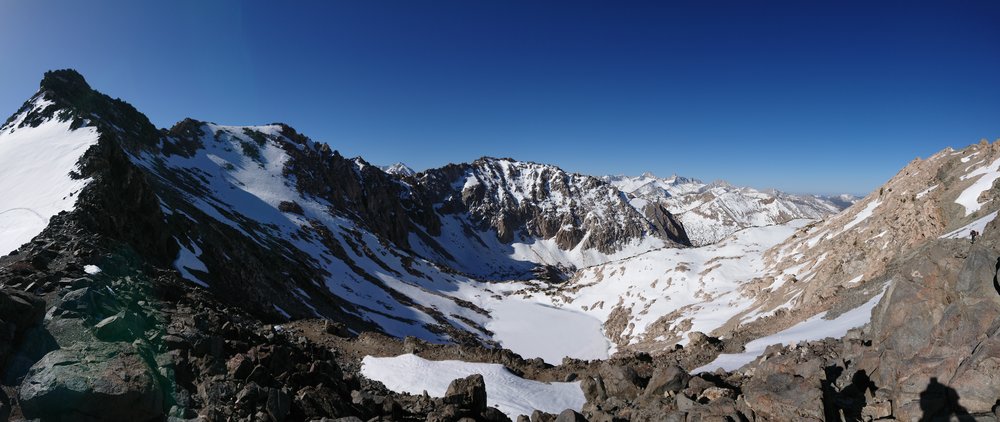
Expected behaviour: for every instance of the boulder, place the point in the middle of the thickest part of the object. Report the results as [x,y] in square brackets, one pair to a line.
[492,414]
[782,396]
[569,415]
[468,392]
[89,302]
[278,404]
[620,381]
[593,389]
[107,379]
[540,416]
[671,378]
[239,366]
[23,309]
[123,326]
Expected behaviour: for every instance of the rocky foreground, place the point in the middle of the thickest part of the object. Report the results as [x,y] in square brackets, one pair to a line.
[136,343]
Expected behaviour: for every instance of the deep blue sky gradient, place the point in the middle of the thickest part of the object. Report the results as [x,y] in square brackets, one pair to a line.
[804,96]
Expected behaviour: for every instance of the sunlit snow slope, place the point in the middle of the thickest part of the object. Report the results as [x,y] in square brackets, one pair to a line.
[35,173]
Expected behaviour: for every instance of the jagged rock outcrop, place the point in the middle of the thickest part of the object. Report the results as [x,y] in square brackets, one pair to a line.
[521,200]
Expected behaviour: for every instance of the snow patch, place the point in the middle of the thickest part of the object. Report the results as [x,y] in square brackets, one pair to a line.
[965,231]
[969,198]
[187,260]
[862,215]
[511,394]
[924,192]
[814,328]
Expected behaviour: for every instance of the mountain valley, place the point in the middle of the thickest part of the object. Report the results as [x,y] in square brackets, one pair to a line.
[216,272]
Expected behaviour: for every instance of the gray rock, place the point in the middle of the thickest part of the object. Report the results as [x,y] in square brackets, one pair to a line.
[492,414]
[107,379]
[696,338]
[593,389]
[540,416]
[620,381]
[123,326]
[278,404]
[672,378]
[24,310]
[469,392]
[685,404]
[4,406]
[782,396]
[569,415]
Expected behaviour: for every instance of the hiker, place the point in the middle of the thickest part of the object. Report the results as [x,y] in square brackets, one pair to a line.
[973,234]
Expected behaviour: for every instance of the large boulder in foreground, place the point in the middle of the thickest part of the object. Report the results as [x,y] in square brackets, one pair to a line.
[105,381]
[468,392]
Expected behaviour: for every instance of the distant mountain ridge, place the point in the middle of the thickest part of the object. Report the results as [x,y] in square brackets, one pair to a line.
[712,211]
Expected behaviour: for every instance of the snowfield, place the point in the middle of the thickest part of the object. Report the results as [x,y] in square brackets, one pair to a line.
[511,394]
[535,329]
[43,156]
[701,285]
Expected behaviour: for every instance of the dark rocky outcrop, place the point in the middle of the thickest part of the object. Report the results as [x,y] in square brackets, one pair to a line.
[91,381]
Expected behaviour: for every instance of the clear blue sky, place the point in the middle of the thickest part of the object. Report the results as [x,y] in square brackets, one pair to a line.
[804,96]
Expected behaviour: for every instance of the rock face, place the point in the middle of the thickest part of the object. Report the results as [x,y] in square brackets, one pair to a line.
[503,201]
[841,262]
[944,350]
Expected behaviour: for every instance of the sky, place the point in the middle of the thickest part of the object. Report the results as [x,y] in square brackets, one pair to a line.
[804,96]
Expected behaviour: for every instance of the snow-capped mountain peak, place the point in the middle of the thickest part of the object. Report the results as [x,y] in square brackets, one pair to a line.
[399,169]
[712,211]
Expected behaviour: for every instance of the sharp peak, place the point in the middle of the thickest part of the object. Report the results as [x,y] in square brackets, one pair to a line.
[66,82]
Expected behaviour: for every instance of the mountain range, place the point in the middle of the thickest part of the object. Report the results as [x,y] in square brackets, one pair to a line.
[251,273]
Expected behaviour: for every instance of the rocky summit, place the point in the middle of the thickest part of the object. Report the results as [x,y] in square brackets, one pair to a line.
[214,272]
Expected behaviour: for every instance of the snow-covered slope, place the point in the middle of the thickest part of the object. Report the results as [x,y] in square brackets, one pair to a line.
[38,158]
[839,264]
[710,212]
[249,183]
[653,300]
